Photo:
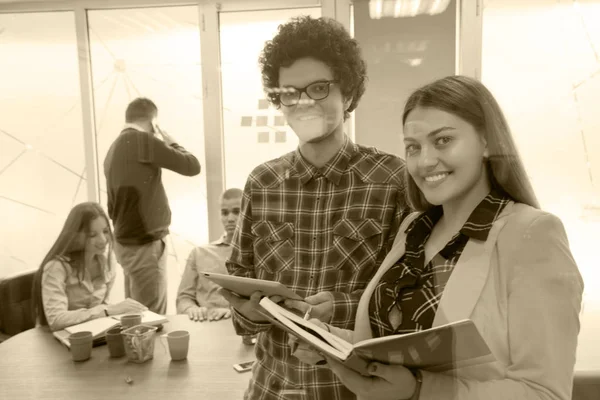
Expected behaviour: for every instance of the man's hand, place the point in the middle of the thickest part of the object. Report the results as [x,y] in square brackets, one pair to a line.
[321,303]
[249,308]
[166,137]
[197,313]
[215,314]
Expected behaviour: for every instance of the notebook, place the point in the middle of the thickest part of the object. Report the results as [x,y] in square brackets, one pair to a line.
[440,348]
[100,326]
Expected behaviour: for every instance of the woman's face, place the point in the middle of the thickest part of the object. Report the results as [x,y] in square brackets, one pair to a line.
[444,156]
[98,236]
[312,120]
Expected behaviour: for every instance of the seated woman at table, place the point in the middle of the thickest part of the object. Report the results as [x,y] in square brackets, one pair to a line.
[74,281]
[478,248]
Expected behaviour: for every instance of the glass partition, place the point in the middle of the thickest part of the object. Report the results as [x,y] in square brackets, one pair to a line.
[42,160]
[253,131]
[155,53]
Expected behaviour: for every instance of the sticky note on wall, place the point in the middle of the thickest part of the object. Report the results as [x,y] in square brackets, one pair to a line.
[246,121]
[262,120]
[263,137]
[263,104]
[280,137]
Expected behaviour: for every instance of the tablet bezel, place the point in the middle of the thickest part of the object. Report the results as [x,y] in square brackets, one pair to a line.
[246,286]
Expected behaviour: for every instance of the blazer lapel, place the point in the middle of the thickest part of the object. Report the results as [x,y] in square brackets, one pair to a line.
[362,328]
[468,278]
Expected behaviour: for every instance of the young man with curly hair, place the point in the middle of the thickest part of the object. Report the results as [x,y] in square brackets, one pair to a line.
[319,219]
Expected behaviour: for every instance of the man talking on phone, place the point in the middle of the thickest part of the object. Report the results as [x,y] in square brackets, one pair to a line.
[138,204]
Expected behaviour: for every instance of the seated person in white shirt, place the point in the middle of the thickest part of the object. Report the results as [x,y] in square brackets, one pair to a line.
[74,281]
[197,296]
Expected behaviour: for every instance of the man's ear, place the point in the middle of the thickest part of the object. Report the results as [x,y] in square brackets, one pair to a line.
[347,103]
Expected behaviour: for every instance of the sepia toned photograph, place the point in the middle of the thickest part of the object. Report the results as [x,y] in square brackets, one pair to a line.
[299,199]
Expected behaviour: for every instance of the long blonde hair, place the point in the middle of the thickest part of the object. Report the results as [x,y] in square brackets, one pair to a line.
[471,101]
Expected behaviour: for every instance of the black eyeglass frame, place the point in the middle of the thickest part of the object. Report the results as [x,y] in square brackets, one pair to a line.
[276,92]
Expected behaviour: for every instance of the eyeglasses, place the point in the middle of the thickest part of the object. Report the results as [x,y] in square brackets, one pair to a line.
[290,96]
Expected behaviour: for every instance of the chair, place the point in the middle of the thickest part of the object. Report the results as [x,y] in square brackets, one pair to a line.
[15,303]
[586,385]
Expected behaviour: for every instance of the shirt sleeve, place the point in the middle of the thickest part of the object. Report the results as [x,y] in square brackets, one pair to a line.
[345,306]
[545,294]
[241,262]
[55,300]
[186,294]
[173,157]
[111,277]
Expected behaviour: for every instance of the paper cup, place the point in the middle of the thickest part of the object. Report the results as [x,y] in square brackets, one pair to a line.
[81,345]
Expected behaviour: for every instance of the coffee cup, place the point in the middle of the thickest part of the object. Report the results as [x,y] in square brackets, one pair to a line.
[179,344]
[115,342]
[81,345]
[129,320]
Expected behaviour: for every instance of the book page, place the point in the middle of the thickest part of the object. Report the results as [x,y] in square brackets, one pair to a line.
[316,335]
[98,326]
[63,337]
[440,348]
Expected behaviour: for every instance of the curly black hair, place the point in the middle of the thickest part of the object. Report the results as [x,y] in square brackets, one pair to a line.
[323,39]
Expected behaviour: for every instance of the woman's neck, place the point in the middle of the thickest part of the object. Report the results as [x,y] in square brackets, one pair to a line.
[457,213]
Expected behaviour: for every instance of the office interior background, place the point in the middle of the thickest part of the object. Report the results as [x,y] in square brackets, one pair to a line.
[68,69]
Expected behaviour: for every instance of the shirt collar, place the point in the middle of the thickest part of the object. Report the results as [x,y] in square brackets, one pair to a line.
[333,170]
[482,218]
[221,241]
[478,225]
[134,126]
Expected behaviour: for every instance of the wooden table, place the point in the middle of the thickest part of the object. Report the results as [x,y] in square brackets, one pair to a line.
[34,365]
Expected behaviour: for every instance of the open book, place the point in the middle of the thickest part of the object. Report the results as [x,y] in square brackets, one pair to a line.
[441,348]
[100,326]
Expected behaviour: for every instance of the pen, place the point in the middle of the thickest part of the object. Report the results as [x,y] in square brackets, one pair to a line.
[307,315]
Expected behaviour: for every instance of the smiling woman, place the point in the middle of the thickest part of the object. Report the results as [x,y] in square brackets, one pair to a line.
[445,157]
[467,111]
[74,280]
[480,249]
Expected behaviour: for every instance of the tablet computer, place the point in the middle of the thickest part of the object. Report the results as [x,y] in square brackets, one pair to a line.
[246,286]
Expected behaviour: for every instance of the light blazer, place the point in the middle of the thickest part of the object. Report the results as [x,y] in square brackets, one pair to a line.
[523,290]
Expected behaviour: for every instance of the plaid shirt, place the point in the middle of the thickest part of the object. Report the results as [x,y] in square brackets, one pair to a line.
[408,295]
[314,230]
